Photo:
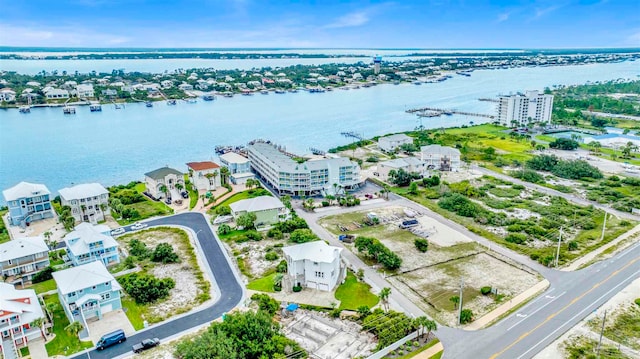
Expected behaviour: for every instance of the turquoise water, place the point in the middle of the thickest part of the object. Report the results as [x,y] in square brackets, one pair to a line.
[568,134]
[117,146]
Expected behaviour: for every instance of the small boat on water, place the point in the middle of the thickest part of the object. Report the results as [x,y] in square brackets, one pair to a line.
[24,109]
[149,104]
[171,102]
[417,82]
[396,82]
[119,107]
[69,110]
[247,93]
[264,92]
[227,94]
[95,107]
[293,90]
[209,97]
[191,100]
[281,91]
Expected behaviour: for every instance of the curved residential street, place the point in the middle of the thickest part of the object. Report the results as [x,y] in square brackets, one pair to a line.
[230,290]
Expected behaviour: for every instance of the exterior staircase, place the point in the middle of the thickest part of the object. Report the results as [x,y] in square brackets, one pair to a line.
[9,350]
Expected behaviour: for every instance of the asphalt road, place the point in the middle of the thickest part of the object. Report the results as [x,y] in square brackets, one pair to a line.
[231,292]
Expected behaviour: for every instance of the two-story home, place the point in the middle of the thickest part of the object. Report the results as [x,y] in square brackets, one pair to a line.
[28,202]
[205,176]
[239,167]
[88,243]
[21,258]
[87,291]
[85,90]
[18,308]
[441,157]
[315,265]
[163,181]
[408,164]
[392,142]
[268,210]
[89,202]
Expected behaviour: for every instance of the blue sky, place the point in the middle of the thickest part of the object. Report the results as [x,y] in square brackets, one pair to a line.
[328,23]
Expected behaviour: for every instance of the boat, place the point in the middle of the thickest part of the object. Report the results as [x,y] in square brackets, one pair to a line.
[228,94]
[69,110]
[264,92]
[293,90]
[396,82]
[24,109]
[417,82]
[247,93]
[281,91]
[95,107]
[209,97]
[119,107]
[191,100]
[171,102]
[149,104]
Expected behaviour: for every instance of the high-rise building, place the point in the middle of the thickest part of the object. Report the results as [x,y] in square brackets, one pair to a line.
[377,60]
[522,109]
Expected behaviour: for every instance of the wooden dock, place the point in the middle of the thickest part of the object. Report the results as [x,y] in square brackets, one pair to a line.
[442,111]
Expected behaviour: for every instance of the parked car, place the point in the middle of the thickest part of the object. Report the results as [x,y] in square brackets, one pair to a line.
[117,231]
[146,344]
[110,339]
[167,201]
[185,194]
[138,225]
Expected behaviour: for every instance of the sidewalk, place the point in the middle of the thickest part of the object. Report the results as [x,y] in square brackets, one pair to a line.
[430,352]
[506,307]
[634,232]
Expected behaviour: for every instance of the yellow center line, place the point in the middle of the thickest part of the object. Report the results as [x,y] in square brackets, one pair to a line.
[561,310]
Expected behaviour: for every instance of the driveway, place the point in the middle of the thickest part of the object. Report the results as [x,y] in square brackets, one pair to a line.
[228,282]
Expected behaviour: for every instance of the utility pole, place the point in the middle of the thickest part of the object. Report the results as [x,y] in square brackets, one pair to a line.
[604,225]
[460,301]
[558,250]
[604,319]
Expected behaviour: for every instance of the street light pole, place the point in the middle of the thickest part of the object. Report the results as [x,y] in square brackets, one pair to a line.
[558,250]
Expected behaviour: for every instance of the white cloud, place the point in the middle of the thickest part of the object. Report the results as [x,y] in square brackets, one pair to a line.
[504,16]
[57,36]
[539,12]
[353,19]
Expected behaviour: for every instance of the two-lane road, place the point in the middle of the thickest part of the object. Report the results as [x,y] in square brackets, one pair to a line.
[231,292]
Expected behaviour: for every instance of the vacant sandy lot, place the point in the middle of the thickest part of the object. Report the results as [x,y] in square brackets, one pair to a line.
[431,287]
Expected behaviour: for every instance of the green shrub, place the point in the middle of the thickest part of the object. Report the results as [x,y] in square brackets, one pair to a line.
[275,233]
[271,256]
[224,229]
[573,245]
[297,288]
[253,236]
[485,290]
[129,262]
[266,303]
[223,210]
[139,249]
[282,267]
[145,288]
[302,236]
[516,238]
[637,301]
[164,253]
[43,275]
[421,244]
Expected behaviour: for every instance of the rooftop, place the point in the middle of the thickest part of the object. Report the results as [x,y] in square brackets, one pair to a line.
[84,276]
[261,203]
[22,247]
[85,190]
[25,189]
[200,166]
[232,157]
[396,137]
[162,172]
[442,150]
[86,233]
[23,302]
[317,251]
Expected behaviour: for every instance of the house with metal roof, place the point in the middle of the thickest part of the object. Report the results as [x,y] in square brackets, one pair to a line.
[18,309]
[21,258]
[239,167]
[314,265]
[88,243]
[440,157]
[87,291]
[28,202]
[268,210]
[391,142]
[164,178]
[88,201]
[408,164]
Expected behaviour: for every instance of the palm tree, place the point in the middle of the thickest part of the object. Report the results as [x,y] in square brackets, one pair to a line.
[330,198]
[39,322]
[224,173]
[384,297]
[595,146]
[427,324]
[74,328]
[179,186]
[83,208]
[103,208]
[277,280]
[455,300]
[164,189]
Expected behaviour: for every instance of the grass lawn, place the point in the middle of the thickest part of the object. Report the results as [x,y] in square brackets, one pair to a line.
[24,351]
[242,195]
[64,343]
[134,312]
[146,208]
[4,233]
[45,286]
[353,294]
[264,284]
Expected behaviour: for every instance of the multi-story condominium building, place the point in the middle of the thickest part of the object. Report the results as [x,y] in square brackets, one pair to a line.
[88,243]
[21,258]
[315,265]
[522,109]
[205,176]
[391,142]
[313,177]
[28,202]
[164,178]
[87,291]
[18,309]
[239,167]
[88,202]
[436,157]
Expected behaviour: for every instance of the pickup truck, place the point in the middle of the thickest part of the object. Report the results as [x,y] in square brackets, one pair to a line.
[146,344]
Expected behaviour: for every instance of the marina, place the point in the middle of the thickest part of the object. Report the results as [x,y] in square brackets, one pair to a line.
[436,112]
